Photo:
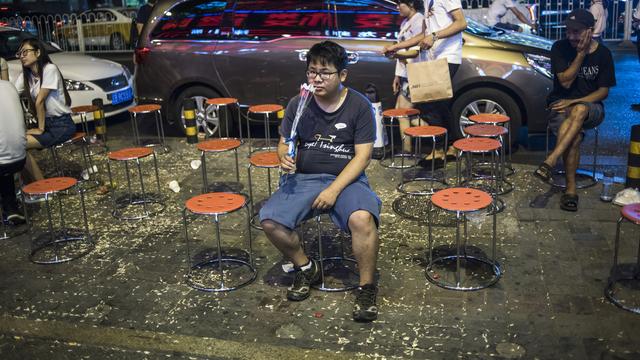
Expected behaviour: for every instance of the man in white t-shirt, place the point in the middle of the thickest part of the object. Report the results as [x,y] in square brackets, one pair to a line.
[599,13]
[442,39]
[499,9]
[13,146]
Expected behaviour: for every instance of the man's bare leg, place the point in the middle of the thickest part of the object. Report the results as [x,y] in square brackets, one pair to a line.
[571,161]
[569,130]
[364,239]
[285,240]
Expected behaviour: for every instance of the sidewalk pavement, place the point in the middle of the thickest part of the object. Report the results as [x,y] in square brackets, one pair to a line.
[127,299]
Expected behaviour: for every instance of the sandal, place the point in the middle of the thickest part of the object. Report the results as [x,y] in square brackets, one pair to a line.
[569,202]
[544,172]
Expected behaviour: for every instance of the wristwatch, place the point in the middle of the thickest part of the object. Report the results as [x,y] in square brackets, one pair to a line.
[434,36]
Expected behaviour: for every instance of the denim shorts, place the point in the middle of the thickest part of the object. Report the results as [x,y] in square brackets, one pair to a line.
[594,117]
[57,129]
[291,204]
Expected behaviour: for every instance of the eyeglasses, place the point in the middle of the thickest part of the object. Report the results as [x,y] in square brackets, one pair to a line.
[323,75]
[23,52]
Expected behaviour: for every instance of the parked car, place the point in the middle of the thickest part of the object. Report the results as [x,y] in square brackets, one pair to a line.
[101,28]
[86,77]
[255,51]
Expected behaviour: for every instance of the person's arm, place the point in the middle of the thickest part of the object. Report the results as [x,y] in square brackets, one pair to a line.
[598,95]
[355,167]
[567,77]
[521,16]
[41,111]
[4,70]
[286,162]
[404,44]
[458,25]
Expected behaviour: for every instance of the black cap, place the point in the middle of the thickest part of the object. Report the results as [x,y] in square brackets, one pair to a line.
[580,19]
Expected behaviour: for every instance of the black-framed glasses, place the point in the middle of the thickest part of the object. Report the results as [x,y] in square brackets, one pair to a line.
[323,75]
[23,52]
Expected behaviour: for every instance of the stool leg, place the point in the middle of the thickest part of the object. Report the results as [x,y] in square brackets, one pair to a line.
[616,246]
[186,239]
[113,188]
[266,130]
[155,167]
[144,193]
[495,238]
[393,154]
[458,167]
[56,160]
[235,152]
[595,154]
[130,192]
[84,212]
[429,208]
[249,215]
[445,146]
[458,249]
[62,222]
[239,121]
[269,180]
[205,185]
[161,129]
[134,125]
[249,139]
[320,252]
[433,161]
[226,120]
[216,220]
[250,189]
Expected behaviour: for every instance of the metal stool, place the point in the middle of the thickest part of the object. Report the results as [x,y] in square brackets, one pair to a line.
[215,205]
[62,243]
[266,160]
[265,111]
[217,146]
[152,204]
[628,281]
[327,271]
[215,104]
[583,180]
[82,112]
[497,120]
[392,115]
[87,176]
[157,115]
[484,146]
[418,133]
[498,133]
[461,202]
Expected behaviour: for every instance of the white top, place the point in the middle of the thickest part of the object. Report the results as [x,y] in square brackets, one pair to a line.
[409,28]
[13,141]
[52,80]
[438,17]
[600,14]
[3,64]
[497,10]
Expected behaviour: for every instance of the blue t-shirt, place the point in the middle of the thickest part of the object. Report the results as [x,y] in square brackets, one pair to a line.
[326,140]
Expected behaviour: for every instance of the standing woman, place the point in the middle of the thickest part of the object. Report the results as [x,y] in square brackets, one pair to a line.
[599,11]
[4,69]
[48,101]
[412,25]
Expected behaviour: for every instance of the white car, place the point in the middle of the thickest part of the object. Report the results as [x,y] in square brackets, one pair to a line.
[86,77]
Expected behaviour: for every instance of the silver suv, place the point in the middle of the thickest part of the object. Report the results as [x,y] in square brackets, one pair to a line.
[255,51]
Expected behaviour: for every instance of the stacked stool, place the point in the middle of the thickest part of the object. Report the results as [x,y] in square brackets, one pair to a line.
[151,204]
[265,111]
[462,202]
[497,133]
[497,120]
[199,276]
[621,283]
[583,180]
[218,146]
[60,243]
[264,160]
[82,112]
[417,133]
[223,103]
[156,110]
[394,115]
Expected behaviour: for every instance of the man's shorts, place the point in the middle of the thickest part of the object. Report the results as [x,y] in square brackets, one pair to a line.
[594,117]
[291,203]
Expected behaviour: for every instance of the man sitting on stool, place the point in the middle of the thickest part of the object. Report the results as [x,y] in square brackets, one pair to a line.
[583,73]
[336,134]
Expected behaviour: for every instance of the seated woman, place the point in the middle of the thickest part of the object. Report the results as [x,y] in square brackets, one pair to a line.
[48,101]
[4,69]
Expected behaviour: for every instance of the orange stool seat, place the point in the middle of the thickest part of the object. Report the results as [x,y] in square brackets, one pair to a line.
[477,145]
[461,199]
[489,118]
[265,108]
[217,145]
[145,108]
[199,276]
[484,130]
[480,270]
[425,131]
[215,203]
[266,159]
[130,153]
[400,112]
[57,242]
[48,186]
[83,109]
[221,101]
[396,161]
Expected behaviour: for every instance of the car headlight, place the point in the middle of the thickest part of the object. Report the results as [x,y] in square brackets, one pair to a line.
[541,63]
[74,85]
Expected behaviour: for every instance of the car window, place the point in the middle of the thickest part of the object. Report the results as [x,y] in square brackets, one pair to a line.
[266,20]
[480,29]
[194,20]
[366,19]
[10,42]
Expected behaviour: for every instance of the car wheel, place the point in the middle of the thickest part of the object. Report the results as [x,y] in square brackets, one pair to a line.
[207,118]
[117,42]
[484,100]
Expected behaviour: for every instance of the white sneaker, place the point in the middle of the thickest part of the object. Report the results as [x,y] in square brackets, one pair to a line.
[626,197]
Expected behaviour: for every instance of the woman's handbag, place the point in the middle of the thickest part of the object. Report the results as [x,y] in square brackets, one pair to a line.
[429,81]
